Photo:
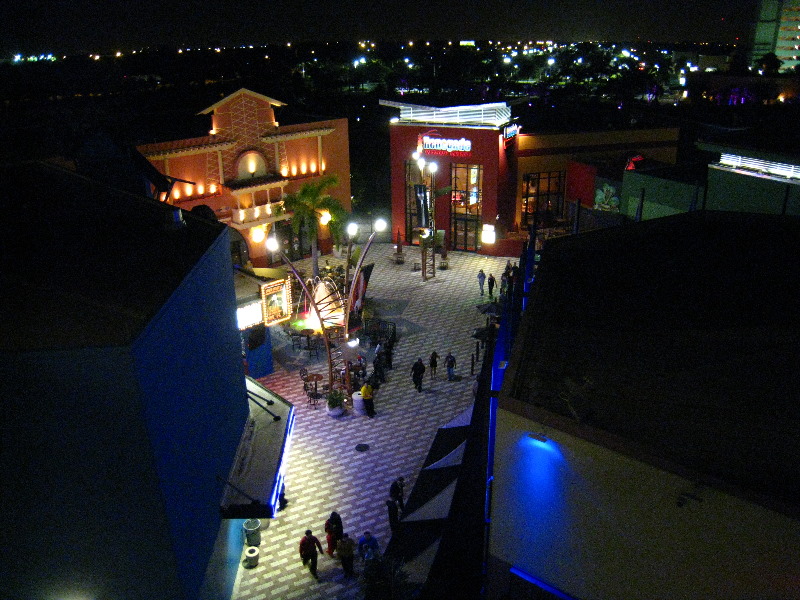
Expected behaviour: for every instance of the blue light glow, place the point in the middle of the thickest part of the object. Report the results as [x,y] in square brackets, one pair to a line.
[540,584]
[277,485]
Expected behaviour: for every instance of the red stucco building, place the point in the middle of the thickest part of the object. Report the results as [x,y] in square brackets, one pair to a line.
[489,174]
[248,162]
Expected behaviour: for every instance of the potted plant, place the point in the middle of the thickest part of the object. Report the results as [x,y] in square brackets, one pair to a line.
[335,401]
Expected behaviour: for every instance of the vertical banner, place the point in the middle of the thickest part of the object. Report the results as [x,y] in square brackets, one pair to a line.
[423,216]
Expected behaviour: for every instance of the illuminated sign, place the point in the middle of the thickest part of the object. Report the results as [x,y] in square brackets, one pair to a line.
[510,131]
[432,143]
[249,315]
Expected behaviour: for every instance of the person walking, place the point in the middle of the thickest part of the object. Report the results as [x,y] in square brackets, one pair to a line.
[394,514]
[417,372]
[481,280]
[333,530]
[433,363]
[366,394]
[377,366]
[491,281]
[450,363]
[396,492]
[346,549]
[308,551]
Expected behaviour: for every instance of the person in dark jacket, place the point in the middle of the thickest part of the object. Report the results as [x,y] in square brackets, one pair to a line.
[491,282]
[308,551]
[334,529]
[417,373]
[346,551]
[396,492]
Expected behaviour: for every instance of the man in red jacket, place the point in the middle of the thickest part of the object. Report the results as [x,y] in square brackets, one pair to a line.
[308,551]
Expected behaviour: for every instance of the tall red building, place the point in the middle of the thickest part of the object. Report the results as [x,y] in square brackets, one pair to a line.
[248,162]
[469,147]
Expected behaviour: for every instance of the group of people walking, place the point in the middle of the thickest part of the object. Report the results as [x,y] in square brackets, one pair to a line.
[507,279]
[339,542]
[418,368]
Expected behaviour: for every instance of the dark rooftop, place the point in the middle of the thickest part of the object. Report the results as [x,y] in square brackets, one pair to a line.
[680,335]
[84,264]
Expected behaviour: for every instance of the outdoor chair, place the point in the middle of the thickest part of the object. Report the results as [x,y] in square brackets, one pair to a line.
[313,397]
[297,341]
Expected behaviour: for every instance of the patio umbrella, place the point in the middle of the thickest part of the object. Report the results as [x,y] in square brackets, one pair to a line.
[490,308]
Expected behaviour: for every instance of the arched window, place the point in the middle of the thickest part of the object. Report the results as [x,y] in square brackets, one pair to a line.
[251,164]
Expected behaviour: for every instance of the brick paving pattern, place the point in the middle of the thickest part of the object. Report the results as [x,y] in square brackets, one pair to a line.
[325,472]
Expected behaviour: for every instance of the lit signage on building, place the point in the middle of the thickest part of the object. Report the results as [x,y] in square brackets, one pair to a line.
[433,143]
[510,131]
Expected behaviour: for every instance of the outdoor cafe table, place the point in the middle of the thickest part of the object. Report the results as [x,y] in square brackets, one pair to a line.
[315,377]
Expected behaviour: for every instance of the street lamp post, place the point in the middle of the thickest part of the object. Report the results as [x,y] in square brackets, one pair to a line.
[431,206]
[273,246]
[352,231]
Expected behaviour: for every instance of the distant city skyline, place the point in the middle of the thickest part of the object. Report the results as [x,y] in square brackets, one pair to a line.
[95,25]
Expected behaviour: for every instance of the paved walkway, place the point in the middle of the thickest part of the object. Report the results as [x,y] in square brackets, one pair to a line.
[325,472]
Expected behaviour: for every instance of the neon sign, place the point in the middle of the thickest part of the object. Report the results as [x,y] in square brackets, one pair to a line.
[433,143]
[510,131]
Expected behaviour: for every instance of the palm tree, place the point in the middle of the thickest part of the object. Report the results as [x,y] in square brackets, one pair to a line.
[307,205]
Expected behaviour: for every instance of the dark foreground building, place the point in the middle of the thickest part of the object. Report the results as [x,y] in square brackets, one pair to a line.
[648,428]
[124,399]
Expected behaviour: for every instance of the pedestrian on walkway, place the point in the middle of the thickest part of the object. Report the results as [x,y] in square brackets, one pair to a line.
[433,363]
[491,281]
[308,551]
[450,363]
[366,394]
[346,549]
[396,492]
[394,513]
[368,547]
[417,372]
[389,352]
[481,280]
[377,366]
[333,532]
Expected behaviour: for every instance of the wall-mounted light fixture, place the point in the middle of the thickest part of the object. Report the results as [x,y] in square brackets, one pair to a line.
[488,235]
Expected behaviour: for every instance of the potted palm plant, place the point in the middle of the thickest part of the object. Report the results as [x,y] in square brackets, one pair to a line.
[335,402]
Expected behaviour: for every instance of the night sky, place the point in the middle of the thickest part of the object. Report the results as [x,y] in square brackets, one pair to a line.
[72,26]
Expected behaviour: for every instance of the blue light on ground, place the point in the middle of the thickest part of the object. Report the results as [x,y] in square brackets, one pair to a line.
[540,584]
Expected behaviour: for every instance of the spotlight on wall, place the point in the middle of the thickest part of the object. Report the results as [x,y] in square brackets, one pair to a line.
[538,436]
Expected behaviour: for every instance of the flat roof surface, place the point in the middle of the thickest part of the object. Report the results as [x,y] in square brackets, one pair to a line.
[84,264]
[680,335]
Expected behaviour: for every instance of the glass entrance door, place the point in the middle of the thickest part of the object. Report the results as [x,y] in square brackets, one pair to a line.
[465,231]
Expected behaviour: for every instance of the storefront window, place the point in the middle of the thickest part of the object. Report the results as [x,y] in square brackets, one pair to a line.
[543,198]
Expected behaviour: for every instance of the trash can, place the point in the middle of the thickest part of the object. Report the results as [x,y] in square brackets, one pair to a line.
[252,532]
[251,557]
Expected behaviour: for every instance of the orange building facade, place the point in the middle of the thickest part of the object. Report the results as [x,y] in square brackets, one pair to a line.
[247,163]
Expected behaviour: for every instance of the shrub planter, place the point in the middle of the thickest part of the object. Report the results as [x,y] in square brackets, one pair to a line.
[335,403]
